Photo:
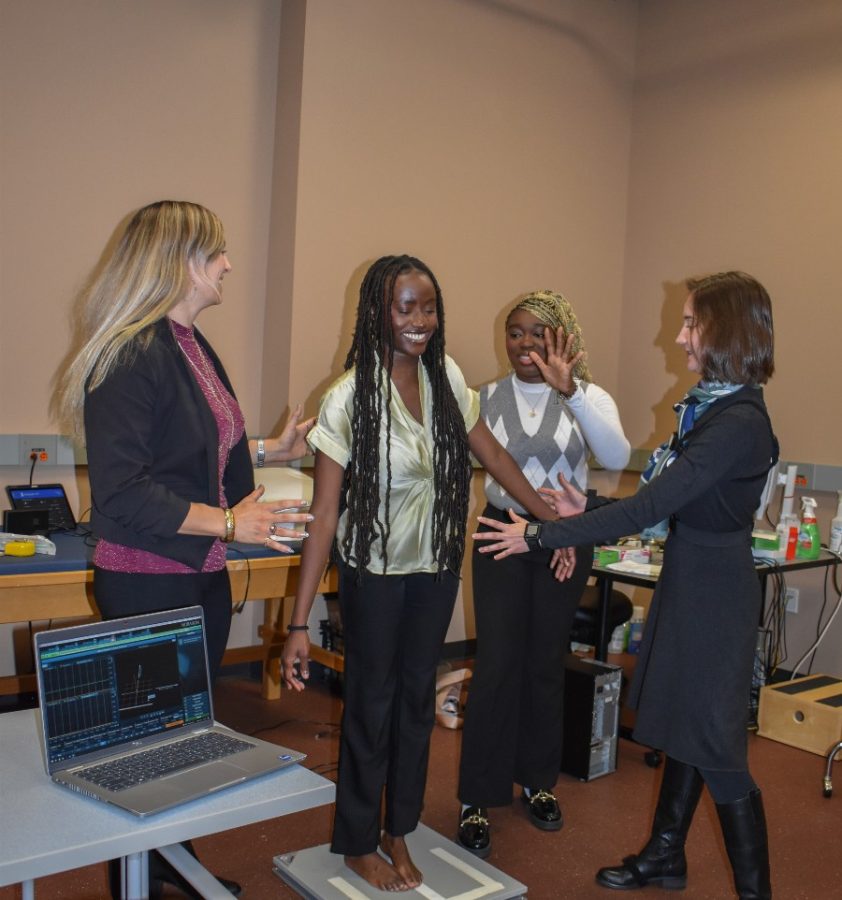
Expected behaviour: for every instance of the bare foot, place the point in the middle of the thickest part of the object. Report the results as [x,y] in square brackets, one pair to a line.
[376,871]
[395,849]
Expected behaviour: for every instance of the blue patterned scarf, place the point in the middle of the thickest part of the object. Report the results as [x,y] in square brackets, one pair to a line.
[695,403]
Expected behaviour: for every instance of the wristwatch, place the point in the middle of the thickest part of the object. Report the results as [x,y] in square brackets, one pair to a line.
[532,536]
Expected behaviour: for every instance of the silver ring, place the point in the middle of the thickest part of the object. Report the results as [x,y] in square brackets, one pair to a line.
[272,528]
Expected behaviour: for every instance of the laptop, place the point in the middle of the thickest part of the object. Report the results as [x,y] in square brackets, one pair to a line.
[127,714]
[48,497]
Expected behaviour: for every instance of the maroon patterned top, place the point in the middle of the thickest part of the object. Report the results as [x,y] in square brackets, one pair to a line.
[231,425]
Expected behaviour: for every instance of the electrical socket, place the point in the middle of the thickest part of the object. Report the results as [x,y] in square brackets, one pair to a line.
[44,445]
[792,600]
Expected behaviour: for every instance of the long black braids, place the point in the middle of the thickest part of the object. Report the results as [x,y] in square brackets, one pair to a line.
[371,354]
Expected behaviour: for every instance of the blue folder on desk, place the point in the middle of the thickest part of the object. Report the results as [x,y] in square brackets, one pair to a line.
[127,714]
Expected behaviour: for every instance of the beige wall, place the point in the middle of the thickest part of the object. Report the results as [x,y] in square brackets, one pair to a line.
[489,140]
[107,106]
[608,148]
[506,143]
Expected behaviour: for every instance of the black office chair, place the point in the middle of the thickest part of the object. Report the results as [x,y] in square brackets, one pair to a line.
[586,621]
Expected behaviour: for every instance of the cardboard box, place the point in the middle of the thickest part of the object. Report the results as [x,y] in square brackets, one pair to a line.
[804,713]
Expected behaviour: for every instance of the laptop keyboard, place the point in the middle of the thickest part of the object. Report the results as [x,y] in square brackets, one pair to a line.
[139,768]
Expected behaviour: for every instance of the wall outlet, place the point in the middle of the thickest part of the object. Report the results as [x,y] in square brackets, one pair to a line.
[792,600]
[44,446]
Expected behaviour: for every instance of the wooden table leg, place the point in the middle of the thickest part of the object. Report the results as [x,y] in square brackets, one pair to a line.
[273,612]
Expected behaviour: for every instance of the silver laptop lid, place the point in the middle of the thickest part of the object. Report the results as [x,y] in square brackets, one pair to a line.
[110,686]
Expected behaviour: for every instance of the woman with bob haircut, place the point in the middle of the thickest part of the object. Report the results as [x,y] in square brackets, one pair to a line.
[692,680]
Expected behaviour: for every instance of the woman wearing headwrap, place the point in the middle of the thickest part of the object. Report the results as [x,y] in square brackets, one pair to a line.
[550,424]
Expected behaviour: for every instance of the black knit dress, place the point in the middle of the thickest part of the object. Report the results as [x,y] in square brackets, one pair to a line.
[692,680]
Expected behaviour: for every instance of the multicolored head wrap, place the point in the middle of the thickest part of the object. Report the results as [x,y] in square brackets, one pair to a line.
[555,311]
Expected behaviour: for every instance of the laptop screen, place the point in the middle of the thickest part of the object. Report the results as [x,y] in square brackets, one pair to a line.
[117,682]
[49,497]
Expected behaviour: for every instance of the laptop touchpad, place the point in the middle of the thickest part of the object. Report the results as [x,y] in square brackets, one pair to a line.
[211,777]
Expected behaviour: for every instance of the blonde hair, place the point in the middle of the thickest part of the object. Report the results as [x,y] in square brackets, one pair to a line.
[147,274]
[555,311]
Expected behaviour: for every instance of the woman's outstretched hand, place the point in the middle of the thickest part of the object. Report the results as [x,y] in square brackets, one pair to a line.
[508,538]
[557,371]
[292,443]
[569,501]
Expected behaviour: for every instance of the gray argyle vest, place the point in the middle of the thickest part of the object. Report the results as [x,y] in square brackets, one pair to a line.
[557,446]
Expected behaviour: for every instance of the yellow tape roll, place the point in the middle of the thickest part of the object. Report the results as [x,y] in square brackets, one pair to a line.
[20,548]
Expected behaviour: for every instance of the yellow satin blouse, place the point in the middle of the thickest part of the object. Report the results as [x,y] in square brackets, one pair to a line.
[409,547]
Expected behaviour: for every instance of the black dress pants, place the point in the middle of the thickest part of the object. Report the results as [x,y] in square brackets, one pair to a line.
[513,720]
[393,628]
[129,594]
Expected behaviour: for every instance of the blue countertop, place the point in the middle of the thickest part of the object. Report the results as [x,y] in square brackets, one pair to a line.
[75,550]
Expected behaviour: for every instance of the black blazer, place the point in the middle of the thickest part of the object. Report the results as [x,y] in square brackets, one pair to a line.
[152,446]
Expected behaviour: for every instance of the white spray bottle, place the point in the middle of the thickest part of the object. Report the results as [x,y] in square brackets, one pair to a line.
[836,527]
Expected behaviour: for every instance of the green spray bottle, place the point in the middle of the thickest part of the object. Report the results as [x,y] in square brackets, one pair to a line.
[809,539]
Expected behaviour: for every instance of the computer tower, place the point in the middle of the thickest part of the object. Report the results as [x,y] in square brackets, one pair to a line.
[591,717]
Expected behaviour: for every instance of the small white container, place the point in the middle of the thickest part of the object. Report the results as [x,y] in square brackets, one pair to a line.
[835,542]
[617,644]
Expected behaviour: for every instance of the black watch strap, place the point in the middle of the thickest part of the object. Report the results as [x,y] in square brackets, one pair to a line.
[532,536]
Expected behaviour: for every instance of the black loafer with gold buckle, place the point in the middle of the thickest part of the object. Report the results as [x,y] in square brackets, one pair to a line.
[544,811]
[474,832]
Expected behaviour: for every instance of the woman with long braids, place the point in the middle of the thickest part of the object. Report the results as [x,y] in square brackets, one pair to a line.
[692,680]
[392,477]
[550,420]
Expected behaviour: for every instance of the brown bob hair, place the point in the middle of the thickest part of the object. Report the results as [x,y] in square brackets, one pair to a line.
[733,314]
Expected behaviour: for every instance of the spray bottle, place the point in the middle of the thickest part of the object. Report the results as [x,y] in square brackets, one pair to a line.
[788,523]
[835,543]
[809,541]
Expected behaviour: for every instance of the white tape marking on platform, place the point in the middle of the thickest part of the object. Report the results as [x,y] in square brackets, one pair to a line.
[429,893]
[347,889]
[487,885]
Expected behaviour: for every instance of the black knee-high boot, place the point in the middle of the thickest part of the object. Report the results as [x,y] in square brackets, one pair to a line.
[662,860]
[744,830]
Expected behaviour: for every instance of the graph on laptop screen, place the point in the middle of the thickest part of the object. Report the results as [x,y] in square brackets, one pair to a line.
[110,689]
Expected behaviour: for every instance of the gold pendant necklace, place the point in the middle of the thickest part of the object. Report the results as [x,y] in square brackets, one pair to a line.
[533,408]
